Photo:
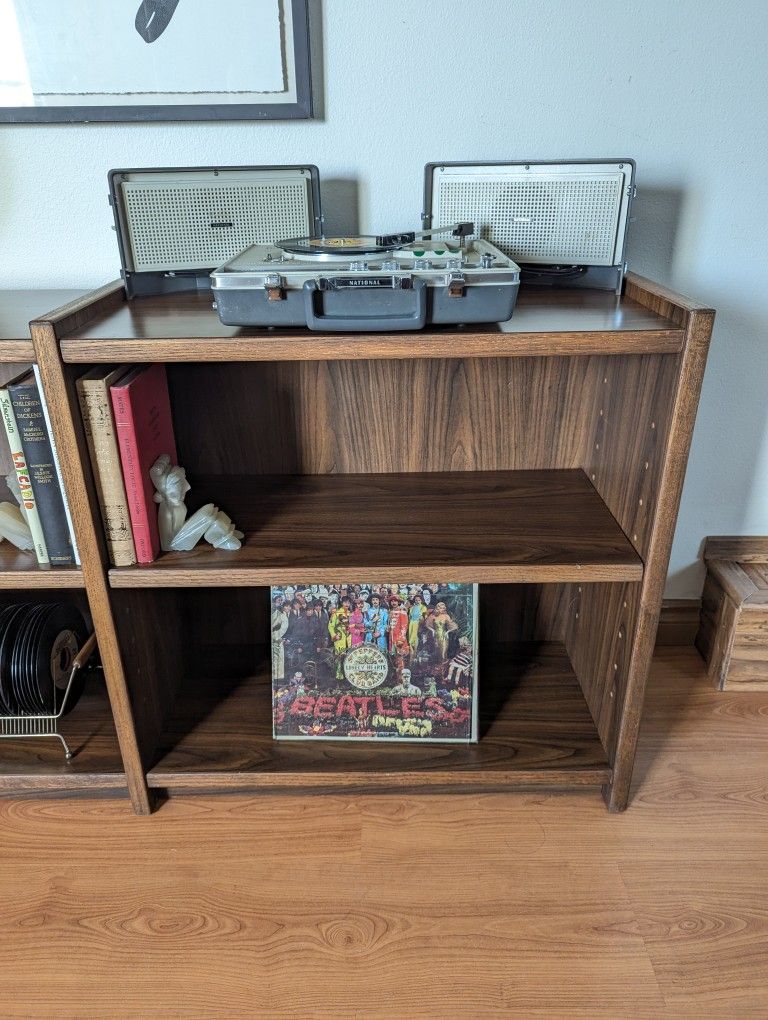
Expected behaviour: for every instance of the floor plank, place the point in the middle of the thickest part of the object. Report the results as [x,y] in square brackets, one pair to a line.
[535,905]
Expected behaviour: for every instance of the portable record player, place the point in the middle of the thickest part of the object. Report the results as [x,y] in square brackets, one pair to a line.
[391,282]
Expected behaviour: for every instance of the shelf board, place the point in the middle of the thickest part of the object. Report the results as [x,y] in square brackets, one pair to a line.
[536,730]
[17,309]
[21,570]
[489,526]
[185,327]
[37,764]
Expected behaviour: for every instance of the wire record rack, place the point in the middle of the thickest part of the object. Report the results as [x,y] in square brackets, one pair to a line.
[15,727]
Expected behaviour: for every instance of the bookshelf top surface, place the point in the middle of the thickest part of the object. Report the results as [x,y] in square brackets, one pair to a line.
[19,307]
[186,327]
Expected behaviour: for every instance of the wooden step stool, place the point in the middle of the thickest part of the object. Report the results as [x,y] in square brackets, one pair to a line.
[733,630]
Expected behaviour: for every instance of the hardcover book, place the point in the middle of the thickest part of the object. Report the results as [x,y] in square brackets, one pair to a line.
[29,506]
[374,662]
[100,434]
[56,464]
[38,453]
[142,411]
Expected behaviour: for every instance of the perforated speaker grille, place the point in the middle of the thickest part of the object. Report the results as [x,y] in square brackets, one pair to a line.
[179,225]
[533,219]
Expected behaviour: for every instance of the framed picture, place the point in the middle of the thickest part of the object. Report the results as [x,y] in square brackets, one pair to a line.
[153,60]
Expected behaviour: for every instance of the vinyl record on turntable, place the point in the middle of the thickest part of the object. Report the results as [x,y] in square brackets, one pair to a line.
[362,244]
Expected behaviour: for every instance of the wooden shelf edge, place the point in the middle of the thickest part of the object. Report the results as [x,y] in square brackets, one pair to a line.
[16,351]
[507,779]
[57,781]
[361,346]
[40,579]
[252,577]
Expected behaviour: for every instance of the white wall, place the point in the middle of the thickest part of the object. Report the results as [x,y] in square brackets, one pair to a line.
[679,85]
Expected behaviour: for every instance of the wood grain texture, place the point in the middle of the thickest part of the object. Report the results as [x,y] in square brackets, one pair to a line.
[666,504]
[733,630]
[40,765]
[530,905]
[460,527]
[744,548]
[20,569]
[381,416]
[536,731]
[62,403]
[678,623]
[184,327]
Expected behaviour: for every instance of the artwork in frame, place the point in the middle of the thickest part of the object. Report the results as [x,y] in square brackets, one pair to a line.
[153,60]
[381,662]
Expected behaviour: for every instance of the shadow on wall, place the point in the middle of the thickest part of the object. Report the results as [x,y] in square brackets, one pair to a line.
[340,200]
[731,435]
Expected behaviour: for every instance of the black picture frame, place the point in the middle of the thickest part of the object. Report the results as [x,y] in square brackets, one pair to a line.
[301,109]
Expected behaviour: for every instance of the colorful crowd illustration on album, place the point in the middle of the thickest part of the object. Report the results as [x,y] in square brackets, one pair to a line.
[371,661]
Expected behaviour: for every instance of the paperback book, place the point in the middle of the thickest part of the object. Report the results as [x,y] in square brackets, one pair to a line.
[393,662]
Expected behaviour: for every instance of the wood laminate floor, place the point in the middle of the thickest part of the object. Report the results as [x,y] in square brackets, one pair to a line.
[529,905]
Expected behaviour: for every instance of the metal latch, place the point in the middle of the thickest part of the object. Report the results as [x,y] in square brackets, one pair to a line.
[273,284]
[456,283]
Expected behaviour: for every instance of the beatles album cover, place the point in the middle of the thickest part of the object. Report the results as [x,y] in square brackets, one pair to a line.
[375,662]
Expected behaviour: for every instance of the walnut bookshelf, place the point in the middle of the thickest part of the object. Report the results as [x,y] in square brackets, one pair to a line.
[543,458]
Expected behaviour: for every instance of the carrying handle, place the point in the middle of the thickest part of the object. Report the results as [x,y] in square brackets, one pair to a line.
[411,320]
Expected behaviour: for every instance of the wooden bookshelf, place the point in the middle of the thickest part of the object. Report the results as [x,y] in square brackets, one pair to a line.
[543,458]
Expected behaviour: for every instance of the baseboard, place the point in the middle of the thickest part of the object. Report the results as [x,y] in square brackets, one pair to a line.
[679,621]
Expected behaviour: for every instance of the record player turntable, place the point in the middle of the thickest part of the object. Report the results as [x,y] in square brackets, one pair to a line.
[388,282]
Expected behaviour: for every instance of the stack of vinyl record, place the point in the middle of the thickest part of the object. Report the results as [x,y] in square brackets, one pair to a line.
[38,644]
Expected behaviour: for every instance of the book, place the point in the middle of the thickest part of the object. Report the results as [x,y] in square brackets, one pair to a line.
[375,662]
[57,465]
[36,445]
[144,427]
[99,426]
[29,504]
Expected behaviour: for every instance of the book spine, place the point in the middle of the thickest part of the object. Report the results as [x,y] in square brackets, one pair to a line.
[99,429]
[131,462]
[25,486]
[57,465]
[36,444]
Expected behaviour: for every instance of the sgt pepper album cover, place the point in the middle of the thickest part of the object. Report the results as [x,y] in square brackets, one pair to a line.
[375,662]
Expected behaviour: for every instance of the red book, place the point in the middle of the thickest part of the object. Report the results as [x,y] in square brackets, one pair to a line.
[144,431]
